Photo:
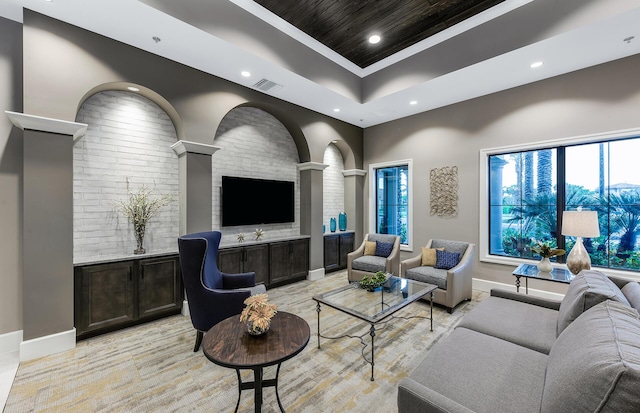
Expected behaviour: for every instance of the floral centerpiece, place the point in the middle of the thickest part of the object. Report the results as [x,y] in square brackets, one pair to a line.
[546,251]
[139,208]
[258,314]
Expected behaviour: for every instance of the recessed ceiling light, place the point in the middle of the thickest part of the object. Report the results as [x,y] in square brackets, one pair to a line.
[133,89]
[413,102]
[535,64]
[245,73]
[374,39]
[336,110]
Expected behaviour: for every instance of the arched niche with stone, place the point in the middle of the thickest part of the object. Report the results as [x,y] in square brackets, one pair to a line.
[332,185]
[129,138]
[254,144]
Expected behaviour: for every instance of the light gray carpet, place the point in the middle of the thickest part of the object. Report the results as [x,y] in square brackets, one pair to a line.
[152,367]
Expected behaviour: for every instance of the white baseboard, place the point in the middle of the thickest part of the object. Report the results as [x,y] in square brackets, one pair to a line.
[315,275]
[47,345]
[10,342]
[185,309]
[485,285]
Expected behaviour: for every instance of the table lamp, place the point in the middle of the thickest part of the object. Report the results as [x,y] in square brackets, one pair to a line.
[579,224]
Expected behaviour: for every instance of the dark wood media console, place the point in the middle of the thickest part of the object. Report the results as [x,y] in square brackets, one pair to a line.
[121,293]
[116,293]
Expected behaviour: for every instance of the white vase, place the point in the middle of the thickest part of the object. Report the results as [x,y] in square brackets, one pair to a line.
[545,265]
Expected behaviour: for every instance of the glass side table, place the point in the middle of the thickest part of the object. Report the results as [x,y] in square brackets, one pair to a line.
[560,275]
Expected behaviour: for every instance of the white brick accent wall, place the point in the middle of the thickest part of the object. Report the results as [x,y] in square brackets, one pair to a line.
[254,144]
[332,185]
[129,136]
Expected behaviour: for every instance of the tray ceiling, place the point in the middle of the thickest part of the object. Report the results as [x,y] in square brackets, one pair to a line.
[345,26]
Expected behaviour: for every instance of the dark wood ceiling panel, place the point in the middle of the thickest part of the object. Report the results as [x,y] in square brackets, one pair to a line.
[345,25]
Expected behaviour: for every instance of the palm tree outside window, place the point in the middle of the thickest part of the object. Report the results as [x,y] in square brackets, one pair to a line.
[530,189]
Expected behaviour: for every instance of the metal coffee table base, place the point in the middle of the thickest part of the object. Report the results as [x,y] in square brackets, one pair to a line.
[372,333]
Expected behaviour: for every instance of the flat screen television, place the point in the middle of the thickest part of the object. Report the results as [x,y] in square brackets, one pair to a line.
[249,201]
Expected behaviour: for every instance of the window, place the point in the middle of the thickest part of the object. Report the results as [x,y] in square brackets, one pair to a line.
[390,207]
[528,190]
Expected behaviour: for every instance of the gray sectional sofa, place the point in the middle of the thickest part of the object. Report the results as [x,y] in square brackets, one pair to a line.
[517,353]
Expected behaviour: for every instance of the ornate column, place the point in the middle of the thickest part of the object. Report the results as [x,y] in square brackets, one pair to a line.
[194,164]
[311,214]
[47,241]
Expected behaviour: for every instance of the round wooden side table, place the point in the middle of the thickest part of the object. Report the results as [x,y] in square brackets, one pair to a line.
[228,344]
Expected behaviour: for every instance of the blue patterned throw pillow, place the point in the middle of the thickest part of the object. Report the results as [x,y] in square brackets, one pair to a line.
[383,249]
[446,260]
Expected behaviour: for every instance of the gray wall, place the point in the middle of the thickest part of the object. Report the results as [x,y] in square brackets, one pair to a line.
[10,178]
[598,99]
[65,66]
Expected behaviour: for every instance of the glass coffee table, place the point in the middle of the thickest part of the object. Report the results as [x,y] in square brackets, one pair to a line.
[374,306]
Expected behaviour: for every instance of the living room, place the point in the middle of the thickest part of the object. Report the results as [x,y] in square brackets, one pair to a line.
[50,68]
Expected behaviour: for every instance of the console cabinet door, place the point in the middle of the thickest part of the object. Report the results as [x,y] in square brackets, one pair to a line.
[230,260]
[256,259]
[106,294]
[346,246]
[299,258]
[289,260]
[279,262]
[159,286]
[331,252]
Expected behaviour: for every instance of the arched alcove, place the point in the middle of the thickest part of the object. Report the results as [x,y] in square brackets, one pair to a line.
[332,184]
[128,138]
[254,144]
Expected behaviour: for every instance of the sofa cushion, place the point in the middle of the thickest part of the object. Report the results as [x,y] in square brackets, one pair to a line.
[586,290]
[446,260]
[429,275]
[478,372]
[369,248]
[527,325]
[429,256]
[369,263]
[383,249]
[450,246]
[631,291]
[594,366]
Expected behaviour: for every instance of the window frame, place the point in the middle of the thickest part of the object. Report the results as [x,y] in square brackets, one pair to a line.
[483,219]
[372,198]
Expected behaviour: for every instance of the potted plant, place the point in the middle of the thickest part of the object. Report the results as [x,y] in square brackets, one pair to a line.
[371,282]
[546,251]
[258,313]
[139,208]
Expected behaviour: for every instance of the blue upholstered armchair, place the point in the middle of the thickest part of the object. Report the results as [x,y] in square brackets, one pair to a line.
[212,295]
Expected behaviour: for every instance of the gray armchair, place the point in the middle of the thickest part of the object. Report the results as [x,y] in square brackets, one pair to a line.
[454,285]
[359,264]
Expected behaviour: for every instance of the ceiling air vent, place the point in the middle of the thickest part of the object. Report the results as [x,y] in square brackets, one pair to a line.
[267,85]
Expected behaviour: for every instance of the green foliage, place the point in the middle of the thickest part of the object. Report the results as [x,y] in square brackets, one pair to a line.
[372,281]
[544,250]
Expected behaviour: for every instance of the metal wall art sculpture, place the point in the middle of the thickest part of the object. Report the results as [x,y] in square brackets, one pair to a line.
[444,191]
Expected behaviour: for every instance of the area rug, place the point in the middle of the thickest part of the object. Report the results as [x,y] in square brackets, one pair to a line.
[152,367]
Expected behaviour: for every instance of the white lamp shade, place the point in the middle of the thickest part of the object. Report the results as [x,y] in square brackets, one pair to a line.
[580,224]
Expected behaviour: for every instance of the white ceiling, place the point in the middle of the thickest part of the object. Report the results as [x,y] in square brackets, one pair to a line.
[573,34]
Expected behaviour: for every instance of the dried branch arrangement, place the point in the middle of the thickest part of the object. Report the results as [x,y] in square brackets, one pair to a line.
[139,208]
